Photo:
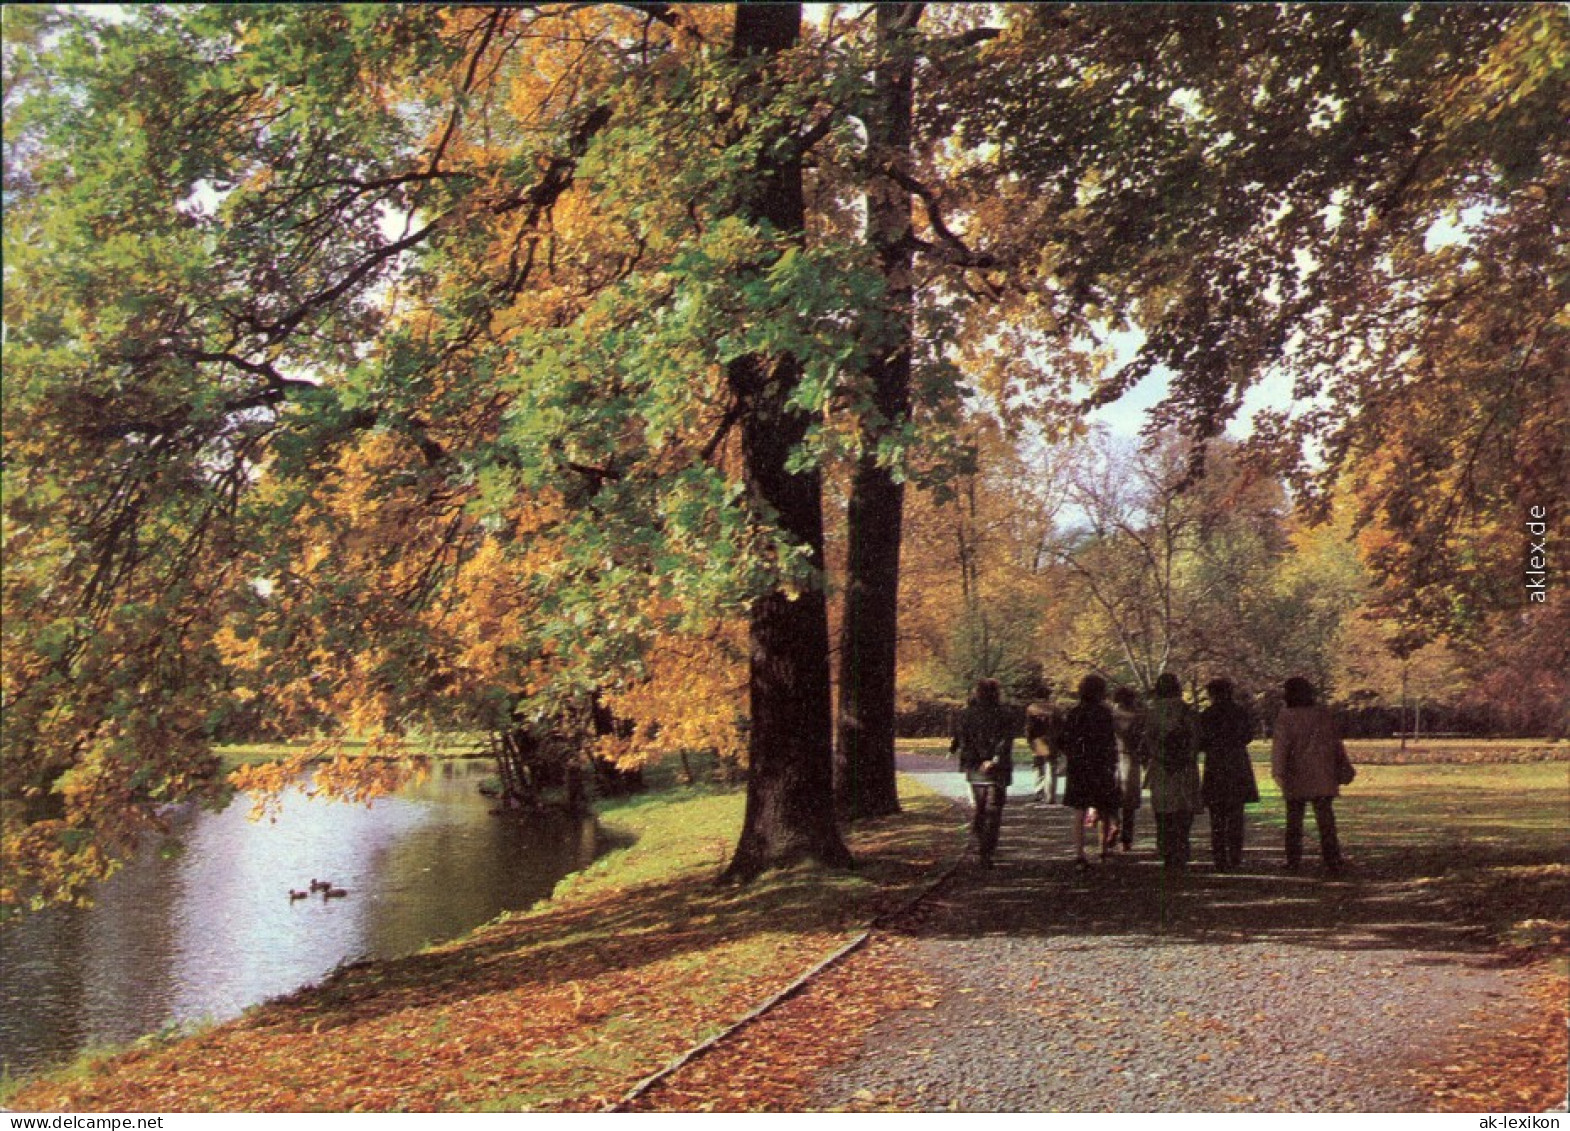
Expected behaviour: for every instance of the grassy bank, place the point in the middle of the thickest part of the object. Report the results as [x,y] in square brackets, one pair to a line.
[563,1007]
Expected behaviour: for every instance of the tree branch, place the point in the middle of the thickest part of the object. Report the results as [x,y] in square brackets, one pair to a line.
[957,251]
[492,25]
[964,40]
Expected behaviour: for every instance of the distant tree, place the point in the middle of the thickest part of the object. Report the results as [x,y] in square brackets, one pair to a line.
[1366,201]
[1373,666]
[1173,572]
[977,581]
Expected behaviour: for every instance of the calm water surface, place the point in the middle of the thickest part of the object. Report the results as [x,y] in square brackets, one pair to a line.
[201,926]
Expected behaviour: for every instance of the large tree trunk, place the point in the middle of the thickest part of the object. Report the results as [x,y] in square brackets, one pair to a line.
[869,634]
[790,812]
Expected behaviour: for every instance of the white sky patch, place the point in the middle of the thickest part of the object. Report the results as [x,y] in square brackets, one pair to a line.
[1272,392]
[1453,230]
[1128,414]
[1333,213]
[1131,412]
[1327,111]
[106,13]
[821,14]
[395,224]
[202,202]
[1188,101]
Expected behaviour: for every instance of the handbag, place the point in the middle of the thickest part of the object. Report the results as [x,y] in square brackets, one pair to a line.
[1346,772]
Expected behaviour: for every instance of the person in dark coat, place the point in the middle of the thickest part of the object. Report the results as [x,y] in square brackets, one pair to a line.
[1225,730]
[1091,748]
[984,741]
[1128,720]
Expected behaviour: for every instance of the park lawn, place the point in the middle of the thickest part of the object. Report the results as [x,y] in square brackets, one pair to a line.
[563,1007]
[1364,751]
[1450,751]
[1488,840]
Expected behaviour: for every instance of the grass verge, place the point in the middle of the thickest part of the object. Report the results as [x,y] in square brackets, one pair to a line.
[563,1007]
[1487,841]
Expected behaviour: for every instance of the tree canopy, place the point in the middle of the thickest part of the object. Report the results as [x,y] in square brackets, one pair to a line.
[378,368]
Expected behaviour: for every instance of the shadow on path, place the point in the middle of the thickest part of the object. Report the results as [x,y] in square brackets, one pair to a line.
[1131,900]
[1126,987]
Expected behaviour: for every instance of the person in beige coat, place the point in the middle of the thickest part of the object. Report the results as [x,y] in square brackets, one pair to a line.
[1305,747]
[1172,771]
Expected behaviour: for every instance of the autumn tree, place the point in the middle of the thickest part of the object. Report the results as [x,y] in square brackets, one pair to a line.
[1317,585]
[869,635]
[380,374]
[790,767]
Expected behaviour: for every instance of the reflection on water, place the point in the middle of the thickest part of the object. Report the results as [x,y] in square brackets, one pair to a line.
[201,926]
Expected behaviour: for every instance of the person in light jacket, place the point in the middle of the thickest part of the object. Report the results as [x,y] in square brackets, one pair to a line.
[984,741]
[1172,773]
[1128,720]
[1304,750]
[1044,734]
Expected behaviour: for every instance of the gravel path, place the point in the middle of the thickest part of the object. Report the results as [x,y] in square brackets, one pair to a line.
[1125,989]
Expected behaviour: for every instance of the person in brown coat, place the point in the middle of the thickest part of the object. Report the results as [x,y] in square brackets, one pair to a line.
[1304,751]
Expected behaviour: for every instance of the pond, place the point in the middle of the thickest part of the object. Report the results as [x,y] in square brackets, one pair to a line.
[201,925]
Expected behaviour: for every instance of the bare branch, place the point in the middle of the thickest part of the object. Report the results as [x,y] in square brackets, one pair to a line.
[956,249]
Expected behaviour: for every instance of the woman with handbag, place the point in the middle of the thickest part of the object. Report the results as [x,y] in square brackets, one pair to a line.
[1308,761]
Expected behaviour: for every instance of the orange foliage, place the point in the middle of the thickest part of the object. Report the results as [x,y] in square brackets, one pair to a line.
[693,698]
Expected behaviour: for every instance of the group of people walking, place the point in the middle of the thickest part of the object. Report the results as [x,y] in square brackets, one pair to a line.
[1109,757]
